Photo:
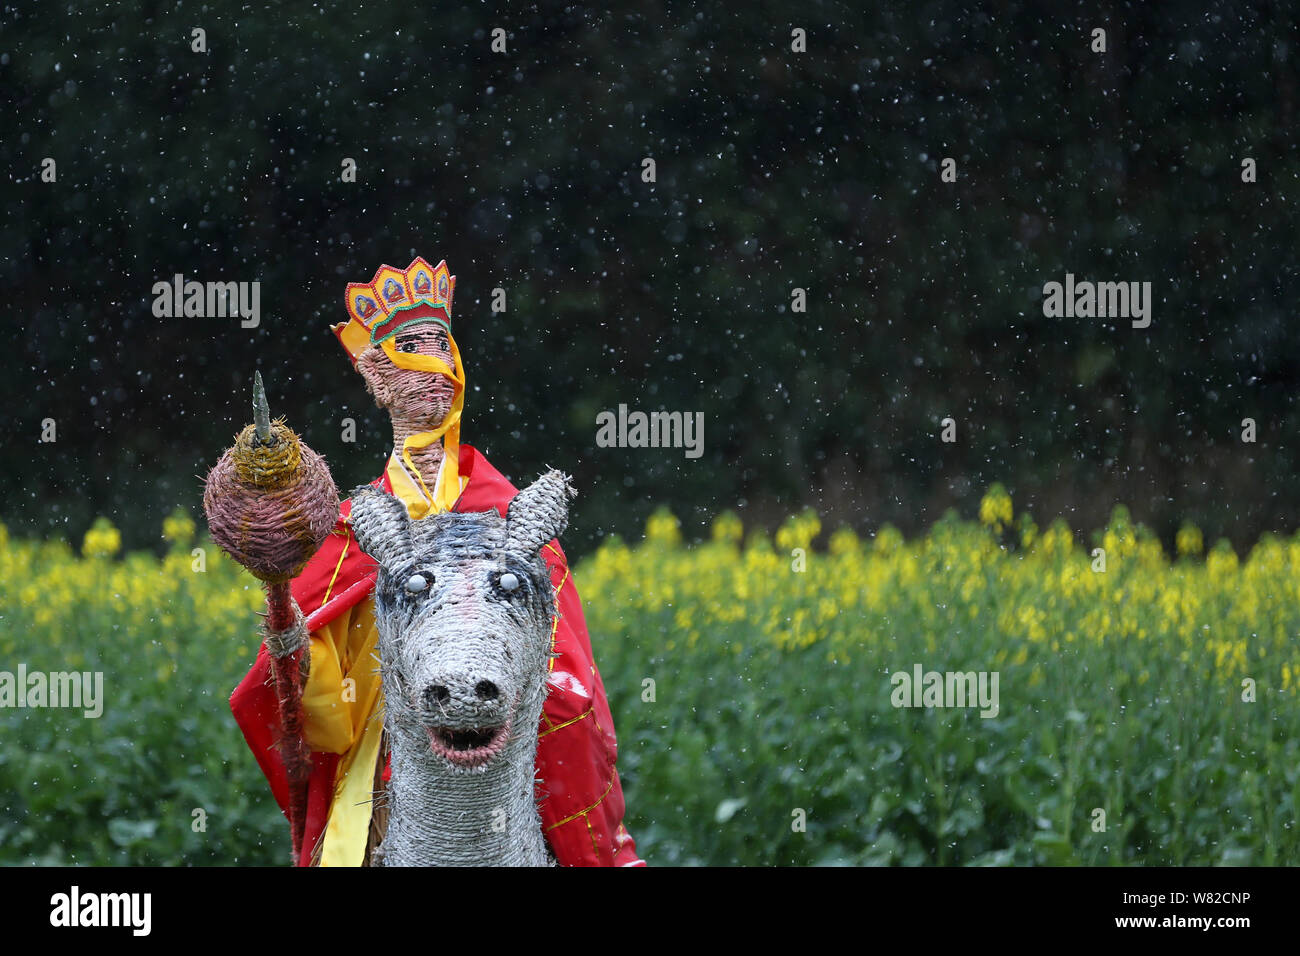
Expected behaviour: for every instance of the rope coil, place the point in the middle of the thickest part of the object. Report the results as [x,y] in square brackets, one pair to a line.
[270,506]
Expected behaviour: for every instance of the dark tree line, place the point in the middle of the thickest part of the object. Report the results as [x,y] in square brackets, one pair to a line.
[775,170]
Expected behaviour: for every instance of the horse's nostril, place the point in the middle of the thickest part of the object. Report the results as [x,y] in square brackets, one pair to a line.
[486,690]
[436,696]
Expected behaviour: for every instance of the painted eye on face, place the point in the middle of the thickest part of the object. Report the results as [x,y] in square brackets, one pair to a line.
[417,583]
[407,346]
[508,582]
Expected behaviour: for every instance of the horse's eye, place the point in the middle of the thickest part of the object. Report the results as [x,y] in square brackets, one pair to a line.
[417,583]
[508,582]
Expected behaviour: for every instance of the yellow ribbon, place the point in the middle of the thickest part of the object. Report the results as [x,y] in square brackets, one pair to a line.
[448,431]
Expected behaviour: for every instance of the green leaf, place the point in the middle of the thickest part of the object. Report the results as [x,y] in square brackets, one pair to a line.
[127,833]
[1053,849]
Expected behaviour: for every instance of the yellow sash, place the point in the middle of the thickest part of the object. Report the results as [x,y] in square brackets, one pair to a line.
[448,432]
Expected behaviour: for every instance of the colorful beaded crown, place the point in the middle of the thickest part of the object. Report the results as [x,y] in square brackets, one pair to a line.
[392,300]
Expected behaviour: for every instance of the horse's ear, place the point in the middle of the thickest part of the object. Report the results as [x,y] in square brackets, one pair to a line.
[539,513]
[381,524]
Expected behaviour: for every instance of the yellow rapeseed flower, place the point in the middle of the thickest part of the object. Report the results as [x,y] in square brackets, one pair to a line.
[995,508]
[844,542]
[1188,541]
[727,528]
[798,531]
[663,528]
[1221,562]
[102,540]
[178,527]
[888,540]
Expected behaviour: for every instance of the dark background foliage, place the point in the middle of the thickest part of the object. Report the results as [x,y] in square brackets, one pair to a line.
[775,170]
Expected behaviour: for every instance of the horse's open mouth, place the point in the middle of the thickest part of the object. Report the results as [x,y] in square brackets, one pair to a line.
[468,747]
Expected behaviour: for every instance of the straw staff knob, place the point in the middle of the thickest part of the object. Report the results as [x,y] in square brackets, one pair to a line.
[270,500]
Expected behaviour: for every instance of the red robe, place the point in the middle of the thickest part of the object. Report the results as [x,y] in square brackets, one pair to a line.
[578,790]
